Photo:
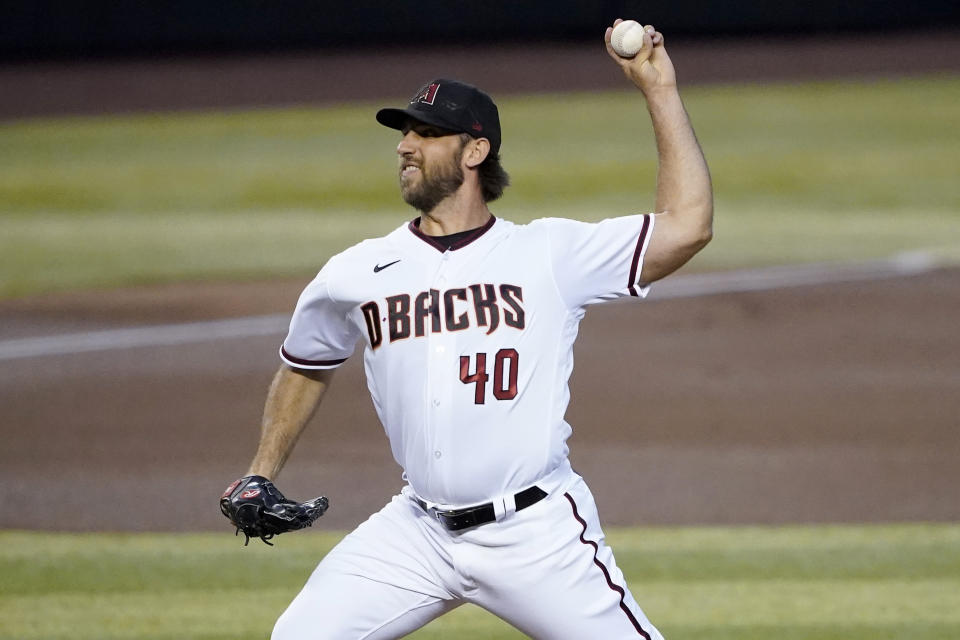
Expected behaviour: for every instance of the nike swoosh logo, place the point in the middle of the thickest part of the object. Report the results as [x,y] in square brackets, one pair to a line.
[378,268]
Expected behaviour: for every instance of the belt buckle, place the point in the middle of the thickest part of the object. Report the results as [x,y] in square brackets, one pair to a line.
[459,519]
[447,516]
[437,514]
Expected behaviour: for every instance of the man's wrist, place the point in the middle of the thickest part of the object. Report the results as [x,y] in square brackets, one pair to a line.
[664,103]
[261,470]
[661,93]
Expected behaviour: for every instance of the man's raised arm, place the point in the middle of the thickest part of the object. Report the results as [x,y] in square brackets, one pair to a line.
[684,206]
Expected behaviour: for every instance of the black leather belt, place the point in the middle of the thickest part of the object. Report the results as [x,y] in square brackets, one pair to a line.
[458,519]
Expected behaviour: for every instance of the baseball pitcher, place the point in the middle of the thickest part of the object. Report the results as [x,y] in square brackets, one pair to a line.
[468,323]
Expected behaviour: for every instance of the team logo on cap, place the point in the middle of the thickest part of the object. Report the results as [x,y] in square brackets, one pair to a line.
[427,94]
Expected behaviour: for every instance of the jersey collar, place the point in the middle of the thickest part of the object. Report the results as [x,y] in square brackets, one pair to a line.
[414,228]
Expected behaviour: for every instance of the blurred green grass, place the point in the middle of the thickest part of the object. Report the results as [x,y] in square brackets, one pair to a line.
[751,583]
[821,171]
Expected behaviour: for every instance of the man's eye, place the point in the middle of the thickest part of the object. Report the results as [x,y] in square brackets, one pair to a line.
[424,132]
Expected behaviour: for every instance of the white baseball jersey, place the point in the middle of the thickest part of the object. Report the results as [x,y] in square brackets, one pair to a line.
[468,350]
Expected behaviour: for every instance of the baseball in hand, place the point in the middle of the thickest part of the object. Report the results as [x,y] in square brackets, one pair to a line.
[627,38]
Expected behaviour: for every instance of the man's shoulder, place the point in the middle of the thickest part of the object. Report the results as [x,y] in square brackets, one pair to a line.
[562,225]
[539,231]
[537,224]
[549,225]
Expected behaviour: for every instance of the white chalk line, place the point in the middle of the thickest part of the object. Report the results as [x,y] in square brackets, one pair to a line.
[681,286]
[767,278]
[152,336]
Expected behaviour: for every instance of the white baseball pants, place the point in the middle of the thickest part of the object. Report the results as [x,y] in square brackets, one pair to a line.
[546,570]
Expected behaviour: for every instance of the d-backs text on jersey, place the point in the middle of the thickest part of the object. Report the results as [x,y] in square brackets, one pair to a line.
[480,305]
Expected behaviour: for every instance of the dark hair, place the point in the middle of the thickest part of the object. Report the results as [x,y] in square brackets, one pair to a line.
[493,177]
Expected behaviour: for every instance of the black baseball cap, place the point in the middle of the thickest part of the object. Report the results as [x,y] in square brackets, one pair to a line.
[451,105]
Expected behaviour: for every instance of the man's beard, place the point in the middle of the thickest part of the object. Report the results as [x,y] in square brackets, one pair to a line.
[436,184]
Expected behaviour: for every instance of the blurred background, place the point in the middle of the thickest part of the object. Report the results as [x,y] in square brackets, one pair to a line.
[165,167]
[293,51]
[76,31]
[172,174]
[97,27]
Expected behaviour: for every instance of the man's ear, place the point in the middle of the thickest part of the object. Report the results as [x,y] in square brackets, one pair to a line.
[477,151]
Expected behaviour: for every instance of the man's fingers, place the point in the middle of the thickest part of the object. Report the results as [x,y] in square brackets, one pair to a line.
[651,52]
[646,48]
[655,36]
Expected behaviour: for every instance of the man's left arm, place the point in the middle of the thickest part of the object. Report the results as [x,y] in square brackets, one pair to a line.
[684,206]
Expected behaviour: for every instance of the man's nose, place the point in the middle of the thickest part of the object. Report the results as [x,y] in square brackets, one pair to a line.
[408,143]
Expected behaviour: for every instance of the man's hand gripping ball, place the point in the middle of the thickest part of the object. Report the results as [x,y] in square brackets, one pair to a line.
[256,507]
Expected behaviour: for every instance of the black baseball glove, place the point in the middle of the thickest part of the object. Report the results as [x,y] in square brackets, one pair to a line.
[256,507]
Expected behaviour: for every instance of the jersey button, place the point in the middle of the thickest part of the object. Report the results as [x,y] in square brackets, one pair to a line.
[440,348]
[436,402]
[437,454]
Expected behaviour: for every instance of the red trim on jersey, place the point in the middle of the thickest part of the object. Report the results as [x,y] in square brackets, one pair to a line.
[606,573]
[414,227]
[310,363]
[634,266]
